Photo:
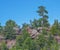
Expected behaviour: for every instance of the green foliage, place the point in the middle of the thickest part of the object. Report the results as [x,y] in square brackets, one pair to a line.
[41,41]
[13,48]
[55,29]
[9,32]
[38,23]
[34,24]
[25,42]
[44,41]
[1,29]
[43,12]
[44,32]
[3,46]
[25,25]
[21,40]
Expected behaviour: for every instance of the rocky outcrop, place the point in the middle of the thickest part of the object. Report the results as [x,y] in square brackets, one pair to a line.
[10,43]
[17,30]
[35,32]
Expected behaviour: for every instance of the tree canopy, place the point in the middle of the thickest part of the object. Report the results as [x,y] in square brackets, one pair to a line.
[45,40]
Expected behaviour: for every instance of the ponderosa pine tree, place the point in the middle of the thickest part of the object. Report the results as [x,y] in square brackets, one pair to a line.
[55,29]
[9,32]
[34,23]
[43,13]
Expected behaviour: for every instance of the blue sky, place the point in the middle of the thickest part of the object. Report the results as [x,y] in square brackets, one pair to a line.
[22,11]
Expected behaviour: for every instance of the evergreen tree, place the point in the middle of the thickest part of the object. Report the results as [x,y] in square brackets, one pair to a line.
[1,29]
[9,32]
[55,29]
[3,46]
[43,13]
